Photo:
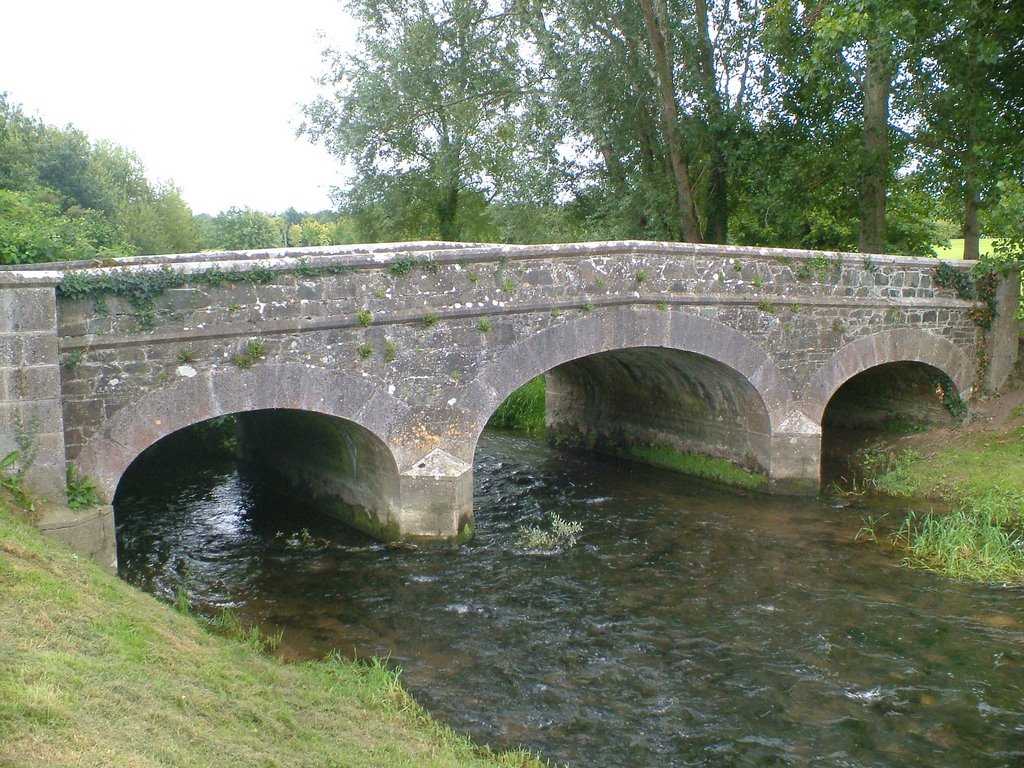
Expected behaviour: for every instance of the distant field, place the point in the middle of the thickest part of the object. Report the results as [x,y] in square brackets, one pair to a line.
[956,248]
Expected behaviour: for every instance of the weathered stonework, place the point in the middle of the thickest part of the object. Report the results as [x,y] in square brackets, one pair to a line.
[730,351]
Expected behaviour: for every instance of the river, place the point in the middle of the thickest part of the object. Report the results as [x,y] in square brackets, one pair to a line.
[689,626]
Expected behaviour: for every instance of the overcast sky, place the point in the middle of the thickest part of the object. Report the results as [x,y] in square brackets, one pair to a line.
[207,93]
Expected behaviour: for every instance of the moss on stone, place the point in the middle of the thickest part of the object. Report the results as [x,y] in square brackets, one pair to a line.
[696,464]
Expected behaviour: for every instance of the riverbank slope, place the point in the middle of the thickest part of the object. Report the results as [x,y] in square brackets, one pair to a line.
[96,673]
[977,471]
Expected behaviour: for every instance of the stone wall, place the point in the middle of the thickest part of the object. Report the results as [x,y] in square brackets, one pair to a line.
[410,322]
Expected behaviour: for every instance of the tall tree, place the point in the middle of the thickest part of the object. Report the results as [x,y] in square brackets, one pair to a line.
[100,187]
[425,109]
[653,92]
[659,40]
[969,108]
[240,229]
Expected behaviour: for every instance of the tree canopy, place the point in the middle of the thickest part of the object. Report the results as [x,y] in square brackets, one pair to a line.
[63,196]
[847,124]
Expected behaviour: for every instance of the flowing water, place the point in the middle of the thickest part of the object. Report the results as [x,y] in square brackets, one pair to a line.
[688,626]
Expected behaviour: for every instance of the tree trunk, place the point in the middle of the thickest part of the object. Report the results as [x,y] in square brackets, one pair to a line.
[972,199]
[717,225]
[875,176]
[657,34]
[447,214]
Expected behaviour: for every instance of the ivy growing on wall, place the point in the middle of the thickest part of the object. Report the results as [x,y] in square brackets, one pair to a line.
[140,289]
[979,284]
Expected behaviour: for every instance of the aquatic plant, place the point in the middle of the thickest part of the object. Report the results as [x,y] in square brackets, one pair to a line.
[560,535]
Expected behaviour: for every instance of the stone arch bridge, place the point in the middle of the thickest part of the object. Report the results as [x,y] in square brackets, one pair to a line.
[368,372]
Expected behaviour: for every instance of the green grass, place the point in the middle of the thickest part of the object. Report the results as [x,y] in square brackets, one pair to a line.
[981,477]
[523,410]
[979,541]
[96,673]
[955,249]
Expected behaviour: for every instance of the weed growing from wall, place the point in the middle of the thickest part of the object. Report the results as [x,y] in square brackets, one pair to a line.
[946,391]
[948,276]
[304,269]
[82,492]
[11,481]
[817,267]
[402,266]
[254,350]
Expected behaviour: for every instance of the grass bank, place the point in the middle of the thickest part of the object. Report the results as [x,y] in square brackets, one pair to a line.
[523,409]
[980,476]
[96,673]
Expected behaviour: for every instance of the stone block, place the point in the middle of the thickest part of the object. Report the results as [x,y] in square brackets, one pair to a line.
[28,309]
[88,532]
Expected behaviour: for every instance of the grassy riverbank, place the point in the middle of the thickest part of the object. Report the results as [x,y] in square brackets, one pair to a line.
[978,472]
[523,409]
[95,673]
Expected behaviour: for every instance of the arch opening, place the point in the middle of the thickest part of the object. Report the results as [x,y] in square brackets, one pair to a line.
[322,465]
[883,403]
[662,406]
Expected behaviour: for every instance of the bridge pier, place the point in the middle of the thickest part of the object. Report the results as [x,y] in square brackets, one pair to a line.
[796,456]
[437,498]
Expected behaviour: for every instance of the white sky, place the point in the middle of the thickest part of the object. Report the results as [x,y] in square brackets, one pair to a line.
[207,93]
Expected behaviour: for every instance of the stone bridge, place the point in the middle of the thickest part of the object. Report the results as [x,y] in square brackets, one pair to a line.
[367,373]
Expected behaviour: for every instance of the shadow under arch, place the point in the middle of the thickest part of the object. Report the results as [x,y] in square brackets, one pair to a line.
[646,371]
[625,328]
[222,391]
[901,345]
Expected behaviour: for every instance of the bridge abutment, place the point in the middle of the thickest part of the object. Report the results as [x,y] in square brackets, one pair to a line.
[796,456]
[32,416]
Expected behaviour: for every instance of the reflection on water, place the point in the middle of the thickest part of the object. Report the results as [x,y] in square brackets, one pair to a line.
[690,625]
